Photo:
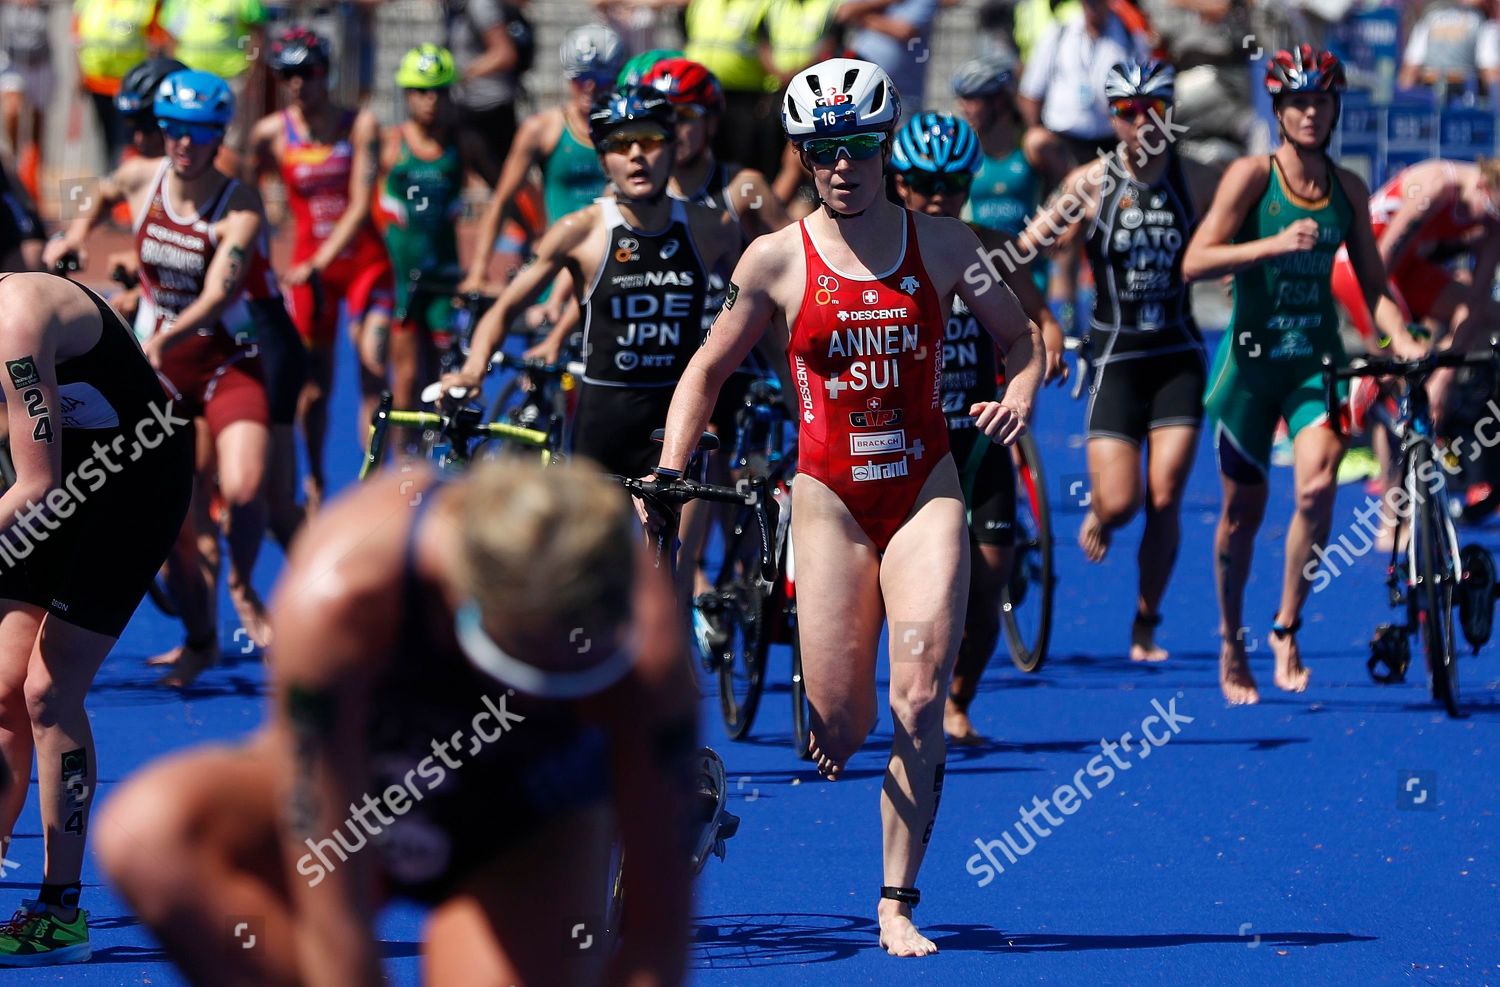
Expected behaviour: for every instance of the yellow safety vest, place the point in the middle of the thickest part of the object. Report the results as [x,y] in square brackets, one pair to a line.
[1033,17]
[111,36]
[722,37]
[796,29]
[211,34]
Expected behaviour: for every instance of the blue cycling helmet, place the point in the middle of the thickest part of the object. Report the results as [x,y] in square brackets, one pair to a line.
[190,96]
[939,143]
[631,104]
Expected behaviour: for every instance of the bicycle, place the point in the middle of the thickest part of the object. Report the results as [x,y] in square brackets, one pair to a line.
[665,499]
[1435,569]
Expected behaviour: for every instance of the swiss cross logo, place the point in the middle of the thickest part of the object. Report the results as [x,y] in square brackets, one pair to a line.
[871,296]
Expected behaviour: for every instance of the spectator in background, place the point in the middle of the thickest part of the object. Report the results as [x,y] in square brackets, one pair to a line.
[489,76]
[1029,19]
[1204,39]
[1446,43]
[637,22]
[724,37]
[110,37]
[223,38]
[895,35]
[26,82]
[796,34]
[1062,88]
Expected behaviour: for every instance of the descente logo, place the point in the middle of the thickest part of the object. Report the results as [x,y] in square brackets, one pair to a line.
[805,386]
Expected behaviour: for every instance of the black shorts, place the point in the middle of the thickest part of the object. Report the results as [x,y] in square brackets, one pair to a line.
[1131,397]
[92,566]
[613,426]
[283,358]
[989,487]
[484,138]
[18,221]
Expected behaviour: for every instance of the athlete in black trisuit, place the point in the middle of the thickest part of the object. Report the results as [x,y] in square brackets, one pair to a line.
[640,259]
[1141,204]
[22,234]
[95,439]
[471,705]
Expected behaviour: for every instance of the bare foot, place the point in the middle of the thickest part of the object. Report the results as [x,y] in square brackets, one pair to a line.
[1291,675]
[1143,646]
[898,936]
[827,766]
[1093,538]
[1235,679]
[187,664]
[167,658]
[252,613]
[958,727]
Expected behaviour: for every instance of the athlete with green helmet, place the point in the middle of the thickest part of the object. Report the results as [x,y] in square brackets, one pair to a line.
[1275,224]
[420,197]
[639,66]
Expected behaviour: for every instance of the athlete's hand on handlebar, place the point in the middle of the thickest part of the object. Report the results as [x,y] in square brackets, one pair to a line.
[471,285]
[1299,236]
[548,351]
[470,382]
[57,249]
[1407,348]
[1057,369]
[1003,420]
[651,513]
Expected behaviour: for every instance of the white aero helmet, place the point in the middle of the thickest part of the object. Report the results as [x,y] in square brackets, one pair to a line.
[592,49]
[839,97]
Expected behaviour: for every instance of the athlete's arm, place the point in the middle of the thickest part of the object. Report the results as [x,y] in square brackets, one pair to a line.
[1032,302]
[365,137]
[1425,190]
[996,308]
[29,303]
[1478,324]
[225,278]
[1046,154]
[119,187]
[334,621]
[1365,258]
[1062,218]
[1210,254]
[747,311]
[260,159]
[652,724]
[555,253]
[757,207]
[525,151]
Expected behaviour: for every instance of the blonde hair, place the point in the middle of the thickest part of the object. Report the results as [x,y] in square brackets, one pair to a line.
[546,549]
[1489,174]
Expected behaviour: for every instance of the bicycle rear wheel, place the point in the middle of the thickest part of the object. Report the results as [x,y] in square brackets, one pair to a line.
[1434,589]
[736,610]
[1026,602]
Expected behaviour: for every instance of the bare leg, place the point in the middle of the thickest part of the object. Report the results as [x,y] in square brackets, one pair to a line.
[990,570]
[924,579]
[406,360]
[1317,451]
[286,515]
[370,341]
[1114,493]
[312,411]
[191,843]
[839,617]
[20,624]
[242,456]
[1234,547]
[1170,459]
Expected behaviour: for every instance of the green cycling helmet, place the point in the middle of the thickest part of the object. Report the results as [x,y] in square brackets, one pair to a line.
[426,67]
[635,70]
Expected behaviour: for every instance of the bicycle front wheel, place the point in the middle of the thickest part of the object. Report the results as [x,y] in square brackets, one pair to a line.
[736,614]
[1026,602]
[1434,591]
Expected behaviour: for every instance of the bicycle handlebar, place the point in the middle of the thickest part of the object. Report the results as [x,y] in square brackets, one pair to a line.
[1415,371]
[536,366]
[752,493]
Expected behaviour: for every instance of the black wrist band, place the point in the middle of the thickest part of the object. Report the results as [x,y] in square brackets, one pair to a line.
[662,473]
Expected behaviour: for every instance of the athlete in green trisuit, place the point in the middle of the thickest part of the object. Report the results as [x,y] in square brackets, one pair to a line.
[1276,224]
[421,196]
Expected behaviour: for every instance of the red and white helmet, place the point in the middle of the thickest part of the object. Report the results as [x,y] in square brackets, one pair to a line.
[839,97]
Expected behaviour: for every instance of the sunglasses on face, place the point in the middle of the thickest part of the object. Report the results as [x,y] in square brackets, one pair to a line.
[826,150]
[175,130]
[1134,109]
[297,72]
[621,143]
[926,183]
